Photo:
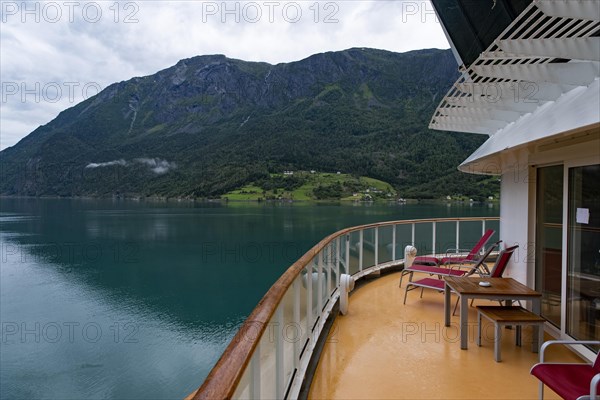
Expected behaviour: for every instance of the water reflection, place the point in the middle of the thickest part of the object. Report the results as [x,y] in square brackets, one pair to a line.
[131,299]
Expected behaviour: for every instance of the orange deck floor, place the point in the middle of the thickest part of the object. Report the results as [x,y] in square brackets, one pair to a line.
[386,350]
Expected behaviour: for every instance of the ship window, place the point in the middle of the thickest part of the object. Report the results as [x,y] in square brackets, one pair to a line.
[583,264]
[549,228]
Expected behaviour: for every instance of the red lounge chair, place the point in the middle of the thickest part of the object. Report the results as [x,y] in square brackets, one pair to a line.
[479,267]
[501,262]
[498,268]
[569,381]
[438,284]
[469,258]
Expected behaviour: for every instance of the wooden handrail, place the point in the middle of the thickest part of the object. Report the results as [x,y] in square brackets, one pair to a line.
[223,379]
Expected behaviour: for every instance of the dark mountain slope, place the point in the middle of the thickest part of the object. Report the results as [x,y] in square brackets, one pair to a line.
[210,124]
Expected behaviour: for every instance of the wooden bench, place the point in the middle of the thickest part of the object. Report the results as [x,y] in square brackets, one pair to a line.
[509,315]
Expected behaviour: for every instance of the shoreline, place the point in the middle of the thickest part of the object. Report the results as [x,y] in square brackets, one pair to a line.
[159,199]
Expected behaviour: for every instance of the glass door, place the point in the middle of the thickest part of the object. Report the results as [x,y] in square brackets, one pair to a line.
[548,240]
[583,269]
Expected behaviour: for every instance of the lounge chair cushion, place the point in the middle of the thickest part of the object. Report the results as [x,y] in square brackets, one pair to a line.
[430,283]
[453,260]
[436,270]
[423,260]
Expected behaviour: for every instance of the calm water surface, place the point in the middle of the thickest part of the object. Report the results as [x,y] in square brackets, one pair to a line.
[120,299]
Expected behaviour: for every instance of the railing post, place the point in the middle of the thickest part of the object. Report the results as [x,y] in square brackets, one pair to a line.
[393,242]
[413,234]
[309,280]
[360,250]
[279,385]
[376,246]
[457,235]
[328,266]
[255,374]
[337,261]
[320,282]
[483,232]
[348,254]
[297,321]
[433,238]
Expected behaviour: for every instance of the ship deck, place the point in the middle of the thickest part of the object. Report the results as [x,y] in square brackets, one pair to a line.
[383,349]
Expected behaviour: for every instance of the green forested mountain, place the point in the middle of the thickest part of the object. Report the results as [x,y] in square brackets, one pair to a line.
[211,124]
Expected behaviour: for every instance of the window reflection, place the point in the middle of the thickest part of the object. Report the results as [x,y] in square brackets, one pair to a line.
[583,285]
[549,228]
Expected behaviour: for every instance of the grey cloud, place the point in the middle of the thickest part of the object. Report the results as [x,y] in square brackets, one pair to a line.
[156,165]
[122,163]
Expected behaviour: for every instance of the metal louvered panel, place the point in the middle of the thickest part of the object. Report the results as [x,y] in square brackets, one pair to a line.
[573,48]
[462,128]
[572,73]
[494,114]
[551,49]
[583,8]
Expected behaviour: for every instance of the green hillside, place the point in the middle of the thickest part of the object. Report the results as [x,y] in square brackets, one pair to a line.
[307,185]
[210,126]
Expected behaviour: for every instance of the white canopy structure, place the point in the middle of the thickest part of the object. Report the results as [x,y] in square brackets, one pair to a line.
[539,79]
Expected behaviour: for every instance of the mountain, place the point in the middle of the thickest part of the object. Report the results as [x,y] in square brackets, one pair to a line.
[211,124]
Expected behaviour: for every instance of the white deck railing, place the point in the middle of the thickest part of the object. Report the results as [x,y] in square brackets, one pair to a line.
[269,356]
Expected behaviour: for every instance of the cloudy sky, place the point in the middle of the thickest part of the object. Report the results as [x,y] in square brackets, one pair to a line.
[54,54]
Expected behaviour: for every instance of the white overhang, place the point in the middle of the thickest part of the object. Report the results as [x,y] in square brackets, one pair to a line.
[540,78]
[575,111]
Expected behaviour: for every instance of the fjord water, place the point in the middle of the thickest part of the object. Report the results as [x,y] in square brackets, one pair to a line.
[123,299]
